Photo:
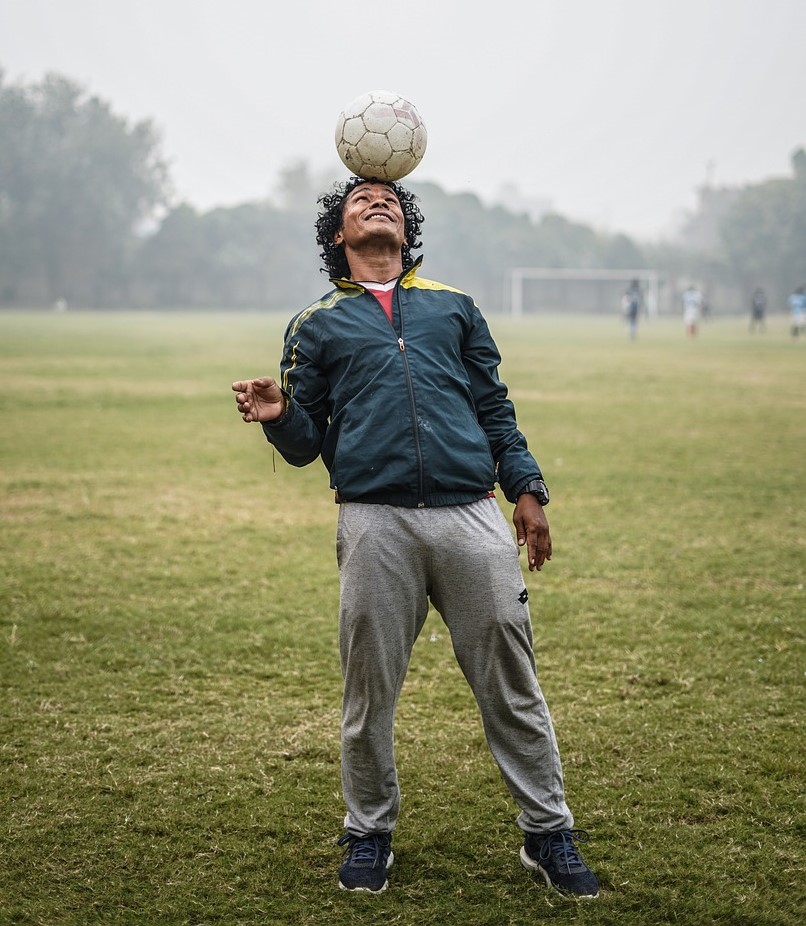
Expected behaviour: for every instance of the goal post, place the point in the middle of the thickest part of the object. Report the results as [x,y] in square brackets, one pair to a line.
[598,298]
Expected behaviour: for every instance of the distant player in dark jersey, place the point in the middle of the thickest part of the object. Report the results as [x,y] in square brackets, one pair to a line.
[631,303]
[758,310]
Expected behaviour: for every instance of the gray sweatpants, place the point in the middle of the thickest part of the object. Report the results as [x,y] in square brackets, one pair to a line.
[464,559]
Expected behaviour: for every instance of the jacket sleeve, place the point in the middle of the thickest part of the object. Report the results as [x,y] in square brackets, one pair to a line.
[515,465]
[298,434]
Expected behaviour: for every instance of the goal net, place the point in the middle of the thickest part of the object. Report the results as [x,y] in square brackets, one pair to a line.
[546,289]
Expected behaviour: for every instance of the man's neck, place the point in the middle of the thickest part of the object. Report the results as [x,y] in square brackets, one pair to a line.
[380,266]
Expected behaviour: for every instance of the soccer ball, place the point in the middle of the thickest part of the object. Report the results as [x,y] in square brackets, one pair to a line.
[380,136]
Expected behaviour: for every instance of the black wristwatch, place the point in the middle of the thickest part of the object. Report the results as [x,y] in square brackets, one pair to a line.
[537,488]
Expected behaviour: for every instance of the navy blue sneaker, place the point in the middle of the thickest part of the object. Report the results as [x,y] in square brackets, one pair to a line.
[556,857]
[368,860]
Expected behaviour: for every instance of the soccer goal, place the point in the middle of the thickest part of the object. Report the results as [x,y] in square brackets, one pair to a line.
[548,289]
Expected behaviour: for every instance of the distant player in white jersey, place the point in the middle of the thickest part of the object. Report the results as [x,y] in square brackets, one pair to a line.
[797,308]
[692,309]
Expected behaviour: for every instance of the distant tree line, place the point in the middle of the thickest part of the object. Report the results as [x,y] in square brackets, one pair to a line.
[76,182]
[87,216]
[741,238]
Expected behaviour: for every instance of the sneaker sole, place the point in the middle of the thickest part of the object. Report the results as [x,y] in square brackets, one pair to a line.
[531,865]
[364,890]
[368,890]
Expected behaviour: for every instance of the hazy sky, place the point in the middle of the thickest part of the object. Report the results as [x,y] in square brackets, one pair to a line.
[613,110]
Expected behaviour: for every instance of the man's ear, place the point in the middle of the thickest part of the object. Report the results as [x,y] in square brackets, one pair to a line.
[338,238]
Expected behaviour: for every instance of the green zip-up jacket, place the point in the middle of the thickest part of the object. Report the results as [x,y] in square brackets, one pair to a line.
[408,413]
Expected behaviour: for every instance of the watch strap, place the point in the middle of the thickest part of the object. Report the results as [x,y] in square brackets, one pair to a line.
[537,488]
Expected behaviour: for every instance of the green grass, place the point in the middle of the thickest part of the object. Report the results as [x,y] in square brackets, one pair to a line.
[169,682]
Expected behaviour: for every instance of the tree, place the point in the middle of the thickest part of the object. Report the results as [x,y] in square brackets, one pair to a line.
[764,232]
[473,246]
[701,230]
[248,256]
[76,181]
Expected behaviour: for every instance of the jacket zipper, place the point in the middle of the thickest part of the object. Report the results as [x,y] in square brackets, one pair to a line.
[417,448]
[409,386]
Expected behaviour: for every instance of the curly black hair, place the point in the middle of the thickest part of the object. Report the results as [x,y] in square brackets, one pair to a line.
[329,221]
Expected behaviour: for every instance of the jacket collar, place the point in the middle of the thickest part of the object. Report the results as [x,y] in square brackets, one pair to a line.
[403,279]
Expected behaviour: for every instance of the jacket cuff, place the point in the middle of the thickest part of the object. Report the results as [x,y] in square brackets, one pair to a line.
[269,426]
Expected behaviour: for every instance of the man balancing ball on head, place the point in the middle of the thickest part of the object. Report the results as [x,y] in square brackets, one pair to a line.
[393,380]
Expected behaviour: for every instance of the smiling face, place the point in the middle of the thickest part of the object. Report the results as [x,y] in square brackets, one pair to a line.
[371,218]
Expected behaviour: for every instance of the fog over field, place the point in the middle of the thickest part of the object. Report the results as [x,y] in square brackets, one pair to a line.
[613,114]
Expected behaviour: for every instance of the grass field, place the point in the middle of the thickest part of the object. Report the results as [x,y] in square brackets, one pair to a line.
[169,682]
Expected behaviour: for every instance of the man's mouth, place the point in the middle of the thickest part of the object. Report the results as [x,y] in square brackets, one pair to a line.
[379,215]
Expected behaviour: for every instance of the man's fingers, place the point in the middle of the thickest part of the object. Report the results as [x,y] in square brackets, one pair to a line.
[261,382]
[242,400]
[542,557]
[532,531]
[539,551]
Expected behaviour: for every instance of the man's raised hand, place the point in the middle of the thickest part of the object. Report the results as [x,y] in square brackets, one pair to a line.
[259,399]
